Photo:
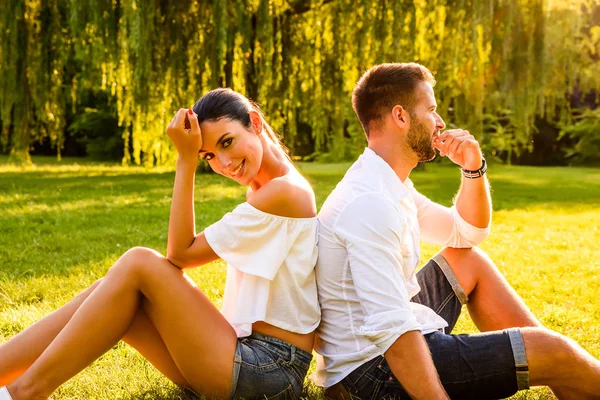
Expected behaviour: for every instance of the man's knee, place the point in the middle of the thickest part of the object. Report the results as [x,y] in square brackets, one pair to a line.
[472,260]
[470,266]
[548,353]
[467,255]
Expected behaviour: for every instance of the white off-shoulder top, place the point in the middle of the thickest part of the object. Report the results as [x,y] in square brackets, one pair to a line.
[270,269]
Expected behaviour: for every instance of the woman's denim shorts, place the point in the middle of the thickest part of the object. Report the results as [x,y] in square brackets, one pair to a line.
[489,365]
[268,368]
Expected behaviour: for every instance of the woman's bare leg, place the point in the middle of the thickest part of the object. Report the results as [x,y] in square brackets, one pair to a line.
[17,354]
[200,340]
[21,351]
[144,337]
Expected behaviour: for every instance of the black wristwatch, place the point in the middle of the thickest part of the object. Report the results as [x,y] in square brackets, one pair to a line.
[478,173]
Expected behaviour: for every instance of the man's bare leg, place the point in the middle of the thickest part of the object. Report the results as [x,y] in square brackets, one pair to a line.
[493,304]
[554,360]
[560,363]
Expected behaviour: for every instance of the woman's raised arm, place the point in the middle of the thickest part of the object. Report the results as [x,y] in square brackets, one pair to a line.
[184,248]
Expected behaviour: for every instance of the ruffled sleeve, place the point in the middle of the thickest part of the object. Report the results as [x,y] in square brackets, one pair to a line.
[252,241]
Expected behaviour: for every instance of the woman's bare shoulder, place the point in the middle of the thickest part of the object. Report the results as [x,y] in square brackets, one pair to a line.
[287,196]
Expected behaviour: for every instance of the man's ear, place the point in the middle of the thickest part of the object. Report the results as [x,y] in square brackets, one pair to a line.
[256,122]
[400,116]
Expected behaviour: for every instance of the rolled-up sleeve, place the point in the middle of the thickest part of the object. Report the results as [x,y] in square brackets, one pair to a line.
[371,230]
[445,226]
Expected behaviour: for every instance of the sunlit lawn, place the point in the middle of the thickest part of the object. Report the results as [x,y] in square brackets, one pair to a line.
[63,224]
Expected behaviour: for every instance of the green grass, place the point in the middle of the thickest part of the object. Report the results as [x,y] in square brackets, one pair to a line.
[62,225]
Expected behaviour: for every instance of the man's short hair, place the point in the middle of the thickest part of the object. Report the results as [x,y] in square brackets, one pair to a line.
[384,86]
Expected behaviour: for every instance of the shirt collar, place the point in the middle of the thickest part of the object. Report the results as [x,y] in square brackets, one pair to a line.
[390,181]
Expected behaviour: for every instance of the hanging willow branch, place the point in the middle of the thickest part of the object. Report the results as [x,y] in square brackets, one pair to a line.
[504,61]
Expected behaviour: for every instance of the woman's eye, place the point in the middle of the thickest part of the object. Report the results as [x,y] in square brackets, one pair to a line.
[209,156]
[227,142]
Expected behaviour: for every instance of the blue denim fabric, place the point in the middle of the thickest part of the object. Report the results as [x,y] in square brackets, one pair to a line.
[440,291]
[489,365]
[268,368]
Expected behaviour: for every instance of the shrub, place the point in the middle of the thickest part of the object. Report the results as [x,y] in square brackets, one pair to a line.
[99,131]
[586,134]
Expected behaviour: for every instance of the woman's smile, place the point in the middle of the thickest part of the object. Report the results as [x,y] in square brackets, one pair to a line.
[237,171]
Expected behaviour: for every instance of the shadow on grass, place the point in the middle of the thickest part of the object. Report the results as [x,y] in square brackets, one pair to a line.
[182,394]
[164,394]
[56,223]
[54,242]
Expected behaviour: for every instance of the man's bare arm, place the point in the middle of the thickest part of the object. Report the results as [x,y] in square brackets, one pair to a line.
[473,201]
[410,361]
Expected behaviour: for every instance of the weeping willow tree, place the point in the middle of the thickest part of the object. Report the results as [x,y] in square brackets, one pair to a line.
[34,51]
[499,63]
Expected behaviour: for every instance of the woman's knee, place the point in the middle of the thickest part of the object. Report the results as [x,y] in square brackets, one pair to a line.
[136,260]
[142,254]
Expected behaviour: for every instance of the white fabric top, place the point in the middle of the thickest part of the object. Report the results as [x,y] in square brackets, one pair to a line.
[371,226]
[270,269]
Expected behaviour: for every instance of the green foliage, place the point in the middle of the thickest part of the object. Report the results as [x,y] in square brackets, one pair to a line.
[586,134]
[203,167]
[500,134]
[299,59]
[34,49]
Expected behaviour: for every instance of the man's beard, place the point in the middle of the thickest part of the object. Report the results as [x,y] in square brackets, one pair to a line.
[420,140]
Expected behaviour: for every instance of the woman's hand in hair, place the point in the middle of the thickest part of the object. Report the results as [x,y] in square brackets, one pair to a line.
[184,132]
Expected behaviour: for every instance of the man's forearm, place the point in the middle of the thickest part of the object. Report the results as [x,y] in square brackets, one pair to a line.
[410,361]
[474,202]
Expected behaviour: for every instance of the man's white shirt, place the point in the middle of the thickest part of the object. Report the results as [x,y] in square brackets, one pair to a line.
[369,238]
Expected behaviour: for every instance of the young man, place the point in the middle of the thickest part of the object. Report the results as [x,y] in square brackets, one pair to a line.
[386,331]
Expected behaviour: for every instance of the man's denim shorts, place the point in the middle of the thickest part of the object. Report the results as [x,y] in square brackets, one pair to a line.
[488,365]
[268,368]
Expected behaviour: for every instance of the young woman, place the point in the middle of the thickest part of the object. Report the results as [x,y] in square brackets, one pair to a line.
[260,343]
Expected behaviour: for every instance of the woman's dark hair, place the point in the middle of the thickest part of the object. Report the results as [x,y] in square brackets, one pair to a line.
[225,103]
